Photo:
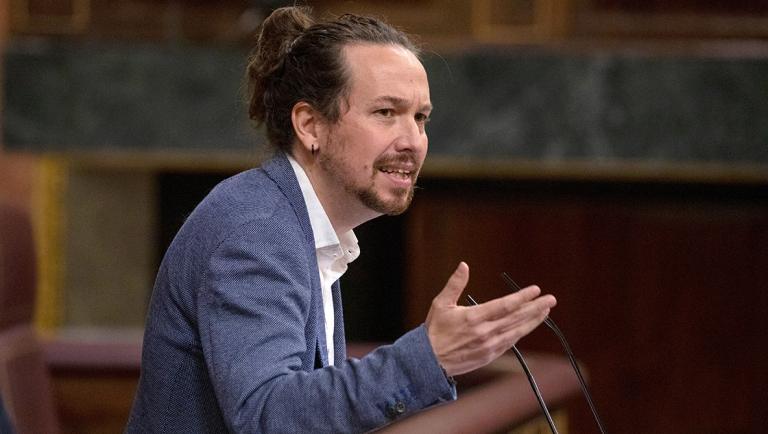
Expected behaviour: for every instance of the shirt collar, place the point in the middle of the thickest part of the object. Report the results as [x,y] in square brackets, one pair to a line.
[322,228]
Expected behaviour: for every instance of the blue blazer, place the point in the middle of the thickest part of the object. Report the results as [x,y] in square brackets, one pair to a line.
[234,339]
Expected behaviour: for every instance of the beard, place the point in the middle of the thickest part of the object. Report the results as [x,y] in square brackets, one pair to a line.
[332,161]
[396,206]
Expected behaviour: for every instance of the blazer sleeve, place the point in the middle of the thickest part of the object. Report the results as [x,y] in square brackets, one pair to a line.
[253,314]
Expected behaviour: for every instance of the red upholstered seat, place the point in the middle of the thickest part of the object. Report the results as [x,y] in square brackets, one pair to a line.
[24,379]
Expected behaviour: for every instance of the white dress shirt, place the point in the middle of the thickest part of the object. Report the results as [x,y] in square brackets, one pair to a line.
[333,252]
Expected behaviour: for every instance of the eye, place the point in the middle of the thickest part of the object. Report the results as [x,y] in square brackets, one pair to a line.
[422,118]
[386,112]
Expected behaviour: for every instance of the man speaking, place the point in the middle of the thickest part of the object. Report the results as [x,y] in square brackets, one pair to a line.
[245,332]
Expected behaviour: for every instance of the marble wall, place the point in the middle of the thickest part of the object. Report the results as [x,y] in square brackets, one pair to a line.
[503,102]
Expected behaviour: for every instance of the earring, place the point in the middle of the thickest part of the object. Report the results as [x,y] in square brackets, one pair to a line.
[313,149]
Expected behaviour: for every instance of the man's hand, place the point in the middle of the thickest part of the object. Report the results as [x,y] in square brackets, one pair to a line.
[465,338]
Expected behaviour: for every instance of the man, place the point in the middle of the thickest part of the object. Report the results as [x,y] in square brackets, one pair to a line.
[245,331]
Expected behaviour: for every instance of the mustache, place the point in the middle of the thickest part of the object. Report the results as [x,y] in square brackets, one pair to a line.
[403,158]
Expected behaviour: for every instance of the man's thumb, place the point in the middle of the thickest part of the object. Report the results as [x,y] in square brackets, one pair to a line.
[455,286]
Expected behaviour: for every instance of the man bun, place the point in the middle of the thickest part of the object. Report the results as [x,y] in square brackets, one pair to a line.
[277,35]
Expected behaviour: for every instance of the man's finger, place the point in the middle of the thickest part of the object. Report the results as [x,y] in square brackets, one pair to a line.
[455,286]
[538,308]
[503,306]
[514,334]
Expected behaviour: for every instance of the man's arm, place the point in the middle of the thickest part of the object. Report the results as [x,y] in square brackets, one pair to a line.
[253,315]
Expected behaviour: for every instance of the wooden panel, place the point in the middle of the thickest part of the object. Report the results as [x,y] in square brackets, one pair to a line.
[660,287]
[732,7]
[437,23]
[441,23]
[222,21]
[94,373]
[675,19]
[51,16]
[520,22]
[94,403]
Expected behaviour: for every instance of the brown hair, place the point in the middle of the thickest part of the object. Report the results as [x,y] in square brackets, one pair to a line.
[297,59]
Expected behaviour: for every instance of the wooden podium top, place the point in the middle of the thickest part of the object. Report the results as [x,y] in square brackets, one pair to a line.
[496,397]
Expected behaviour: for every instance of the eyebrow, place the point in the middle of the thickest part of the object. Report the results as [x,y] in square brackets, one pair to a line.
[400,102]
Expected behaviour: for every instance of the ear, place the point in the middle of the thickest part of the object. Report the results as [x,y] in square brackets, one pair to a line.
[307,126]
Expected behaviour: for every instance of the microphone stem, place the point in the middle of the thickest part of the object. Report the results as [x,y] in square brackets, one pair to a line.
[582,383]
[536,391]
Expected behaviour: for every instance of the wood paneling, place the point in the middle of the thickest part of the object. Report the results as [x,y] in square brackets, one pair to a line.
[441,24]
[51,17]
[522,21]
[661,287]
[726,7]
[679,19]
[94,402]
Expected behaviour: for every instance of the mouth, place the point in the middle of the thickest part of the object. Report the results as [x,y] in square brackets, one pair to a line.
[396,172]
[400,170]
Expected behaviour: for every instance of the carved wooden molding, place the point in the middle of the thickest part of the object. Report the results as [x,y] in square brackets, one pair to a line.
[520,21]
[25,20]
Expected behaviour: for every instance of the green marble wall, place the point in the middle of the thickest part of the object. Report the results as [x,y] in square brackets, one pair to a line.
[510,103]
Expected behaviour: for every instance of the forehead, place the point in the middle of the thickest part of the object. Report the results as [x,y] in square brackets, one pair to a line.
[377,70]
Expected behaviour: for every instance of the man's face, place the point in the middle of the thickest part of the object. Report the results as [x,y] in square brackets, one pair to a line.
[376,149]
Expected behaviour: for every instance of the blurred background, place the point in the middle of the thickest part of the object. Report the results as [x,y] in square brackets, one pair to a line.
[614,152]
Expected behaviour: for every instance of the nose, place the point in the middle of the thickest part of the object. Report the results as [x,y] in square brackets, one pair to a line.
[412,136]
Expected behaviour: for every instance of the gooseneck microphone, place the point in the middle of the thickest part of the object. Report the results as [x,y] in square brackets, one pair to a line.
[531,380]
[551,324]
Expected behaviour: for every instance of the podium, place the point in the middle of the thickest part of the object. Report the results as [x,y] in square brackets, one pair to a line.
[497,398]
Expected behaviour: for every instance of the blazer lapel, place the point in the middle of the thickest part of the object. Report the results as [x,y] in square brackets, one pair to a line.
[339,341]
[280,171]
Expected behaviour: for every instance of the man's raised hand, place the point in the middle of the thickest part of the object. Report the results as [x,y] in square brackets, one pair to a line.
[465,338]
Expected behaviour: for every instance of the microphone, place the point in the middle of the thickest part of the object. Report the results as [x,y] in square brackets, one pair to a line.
[551,324]
[531,380]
